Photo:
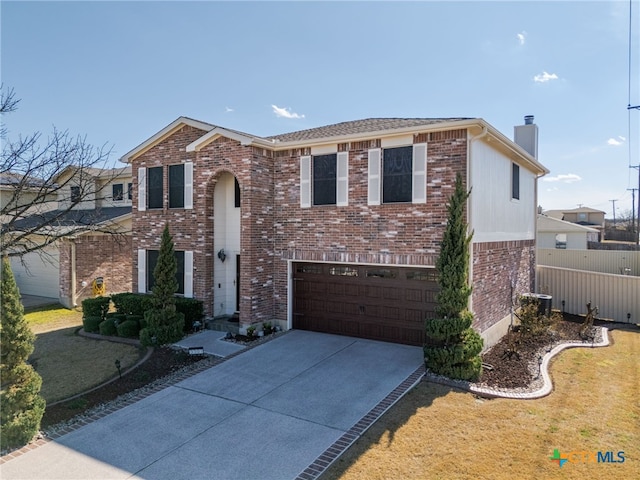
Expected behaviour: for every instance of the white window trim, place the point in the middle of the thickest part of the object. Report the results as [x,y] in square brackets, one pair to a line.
[188,185]
[374,190]
[142,271]
[188,274]
[342,181]
[142,189]
[305,181]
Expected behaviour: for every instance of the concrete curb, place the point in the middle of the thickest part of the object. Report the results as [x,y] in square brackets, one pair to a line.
[543,391]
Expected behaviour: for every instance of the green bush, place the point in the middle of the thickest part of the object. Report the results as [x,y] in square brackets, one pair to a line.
[129,329]
[96,307]
[136,318]
[131,303]
[166,327]
[108,327]
[192,309]
[117,318]
[91,324]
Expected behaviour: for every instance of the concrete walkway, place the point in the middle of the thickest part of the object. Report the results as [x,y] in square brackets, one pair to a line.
[281,410]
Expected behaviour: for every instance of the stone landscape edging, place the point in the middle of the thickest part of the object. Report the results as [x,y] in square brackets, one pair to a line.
[543,391]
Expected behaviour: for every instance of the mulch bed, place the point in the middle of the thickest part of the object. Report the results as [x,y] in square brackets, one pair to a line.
[518,367]
[162,362]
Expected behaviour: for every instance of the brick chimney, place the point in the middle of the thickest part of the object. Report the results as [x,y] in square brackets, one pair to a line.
[527,136]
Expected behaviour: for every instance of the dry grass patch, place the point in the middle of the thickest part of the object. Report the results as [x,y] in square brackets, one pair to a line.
[436,432]
[70,364]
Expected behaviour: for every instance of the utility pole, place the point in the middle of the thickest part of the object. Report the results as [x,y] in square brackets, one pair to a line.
[638,232]
[633,211]
[614,211]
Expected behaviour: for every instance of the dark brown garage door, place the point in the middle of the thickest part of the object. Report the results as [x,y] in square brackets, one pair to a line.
[376,302]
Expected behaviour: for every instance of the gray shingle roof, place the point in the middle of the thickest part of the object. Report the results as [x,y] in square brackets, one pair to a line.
[70,218]
[360,126]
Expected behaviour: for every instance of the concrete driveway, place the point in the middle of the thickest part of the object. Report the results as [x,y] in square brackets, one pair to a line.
[268,413]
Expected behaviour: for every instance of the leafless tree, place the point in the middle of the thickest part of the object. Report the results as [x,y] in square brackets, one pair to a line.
[38,204]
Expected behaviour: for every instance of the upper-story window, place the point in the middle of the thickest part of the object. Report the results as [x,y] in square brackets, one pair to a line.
[398,174]
[151,186]
[75,194]
[176,186]
[155,191]
[324,179]
[117,192]
[129,191]
[582,217]
[515,181]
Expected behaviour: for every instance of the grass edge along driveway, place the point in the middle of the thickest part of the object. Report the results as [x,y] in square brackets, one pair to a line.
[436,432]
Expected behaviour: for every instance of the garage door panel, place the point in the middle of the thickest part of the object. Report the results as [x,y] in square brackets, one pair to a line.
[381,303]
[38,273]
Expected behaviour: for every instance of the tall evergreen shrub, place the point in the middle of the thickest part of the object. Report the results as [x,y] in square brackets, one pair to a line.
[164,324]
[22,406]
[453,347]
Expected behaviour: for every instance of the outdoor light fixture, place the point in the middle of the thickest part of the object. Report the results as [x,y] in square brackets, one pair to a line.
[221,255]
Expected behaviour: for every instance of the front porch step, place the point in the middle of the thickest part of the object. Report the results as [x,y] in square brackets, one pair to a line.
[222,324]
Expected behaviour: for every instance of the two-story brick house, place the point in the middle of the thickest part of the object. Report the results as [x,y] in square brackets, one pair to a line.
[336,229]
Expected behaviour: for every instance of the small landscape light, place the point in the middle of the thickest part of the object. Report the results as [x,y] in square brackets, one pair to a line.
[118,367]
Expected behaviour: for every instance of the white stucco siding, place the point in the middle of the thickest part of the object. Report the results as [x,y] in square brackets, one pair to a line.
[226,235]
[494,214]
[37,273]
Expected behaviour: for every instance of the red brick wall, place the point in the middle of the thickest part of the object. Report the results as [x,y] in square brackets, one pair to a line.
[501,271]
[104,256]
[275,229]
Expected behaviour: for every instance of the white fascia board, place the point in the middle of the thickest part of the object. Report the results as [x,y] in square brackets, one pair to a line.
[417,129]
[526,159]
[217,132]
[164,133]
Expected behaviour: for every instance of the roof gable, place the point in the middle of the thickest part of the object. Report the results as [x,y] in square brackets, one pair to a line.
[163,134]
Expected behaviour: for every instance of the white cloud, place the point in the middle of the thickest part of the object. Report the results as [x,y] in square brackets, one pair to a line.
[564,178]
[285,112]
[544,77]
[522,36]
[616,141]
[228,109]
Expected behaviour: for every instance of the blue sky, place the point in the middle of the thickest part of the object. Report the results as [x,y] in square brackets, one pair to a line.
[118,72]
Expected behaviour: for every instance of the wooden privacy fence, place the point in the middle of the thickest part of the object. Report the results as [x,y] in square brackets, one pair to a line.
[602,261]
[616,296]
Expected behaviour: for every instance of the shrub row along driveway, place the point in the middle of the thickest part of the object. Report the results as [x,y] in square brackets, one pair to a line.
[266,413]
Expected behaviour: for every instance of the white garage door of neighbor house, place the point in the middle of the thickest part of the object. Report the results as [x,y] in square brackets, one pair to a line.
[37,274]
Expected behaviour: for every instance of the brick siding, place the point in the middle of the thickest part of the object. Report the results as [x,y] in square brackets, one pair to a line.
[104,256]
[501,271]
[275,229]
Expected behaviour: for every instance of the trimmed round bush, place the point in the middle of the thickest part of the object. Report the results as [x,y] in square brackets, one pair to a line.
[108,327]
[91,324]
[136,318]
[96,307]
[129,329]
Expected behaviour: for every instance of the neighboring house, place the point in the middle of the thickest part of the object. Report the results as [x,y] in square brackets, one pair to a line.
[588,217]
[30,189]
[554,233]
[66,269]
[337,229]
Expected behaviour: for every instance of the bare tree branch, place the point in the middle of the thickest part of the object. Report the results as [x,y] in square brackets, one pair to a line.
[51,188]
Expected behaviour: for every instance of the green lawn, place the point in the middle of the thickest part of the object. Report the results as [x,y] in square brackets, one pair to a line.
[68,363]
[436,432]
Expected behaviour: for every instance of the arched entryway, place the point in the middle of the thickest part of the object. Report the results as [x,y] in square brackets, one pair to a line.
[226,246]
